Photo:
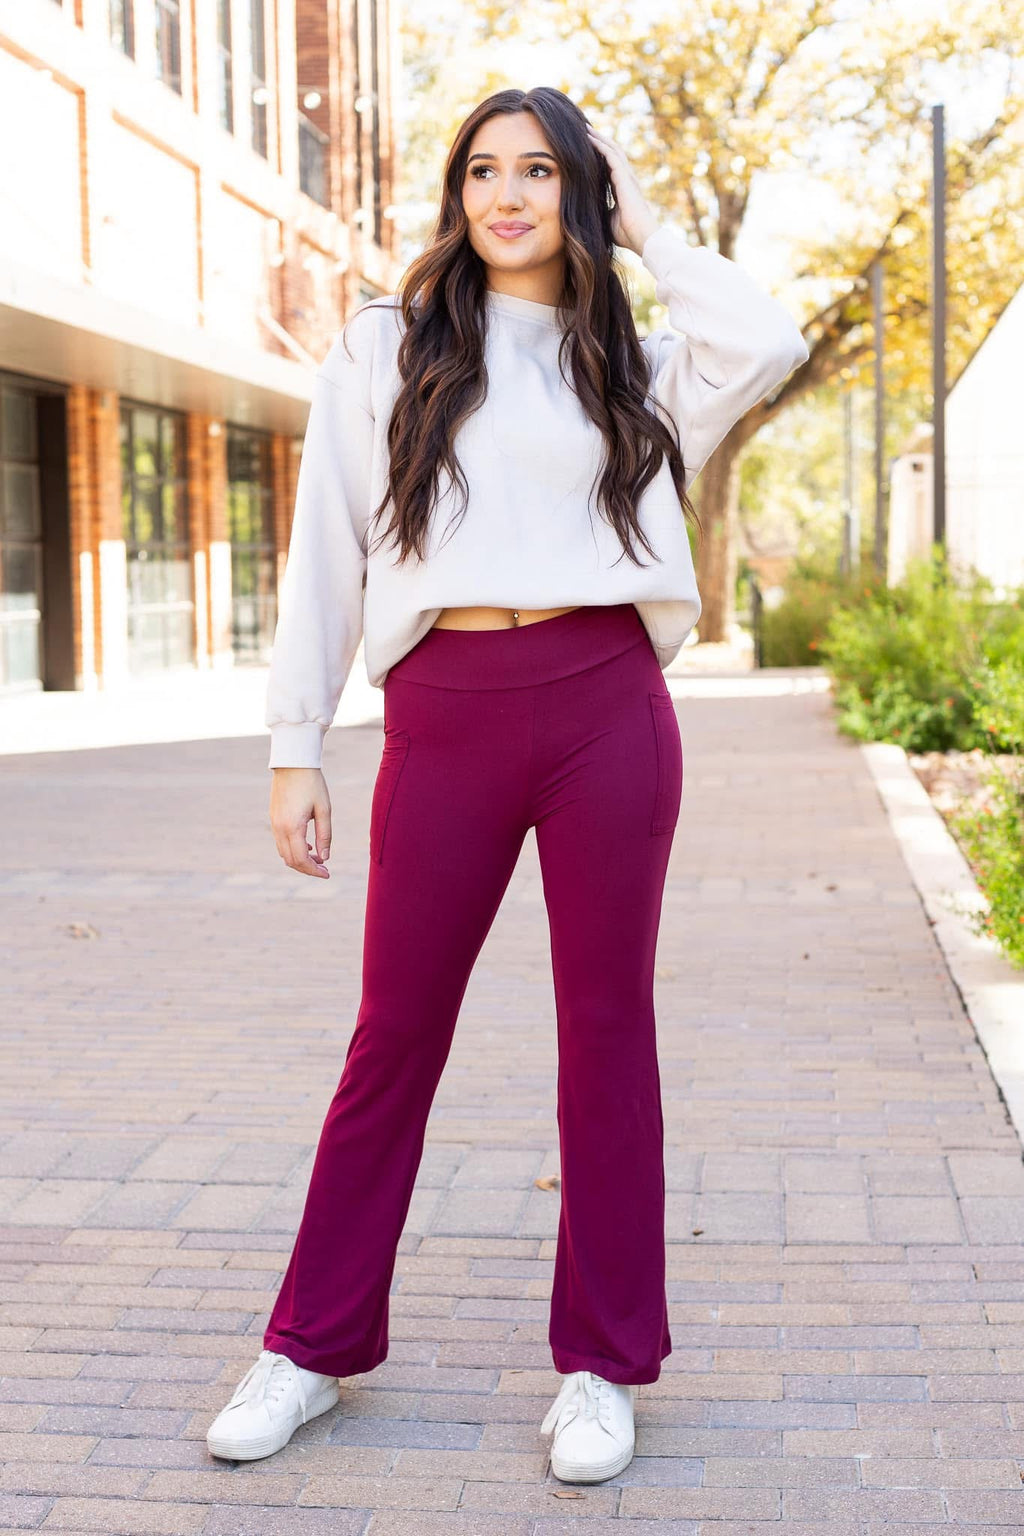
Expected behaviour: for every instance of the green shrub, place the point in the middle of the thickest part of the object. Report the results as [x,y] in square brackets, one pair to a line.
[791,632]
[992,838]
[893,712]
[908,662]
[1000,705]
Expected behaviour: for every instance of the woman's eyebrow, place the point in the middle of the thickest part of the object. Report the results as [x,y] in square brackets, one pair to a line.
[527,154]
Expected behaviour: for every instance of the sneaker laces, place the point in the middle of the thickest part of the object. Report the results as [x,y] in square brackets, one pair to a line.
[584,1391]
[267,1381]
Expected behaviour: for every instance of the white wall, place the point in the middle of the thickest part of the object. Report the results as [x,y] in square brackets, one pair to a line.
[985,455]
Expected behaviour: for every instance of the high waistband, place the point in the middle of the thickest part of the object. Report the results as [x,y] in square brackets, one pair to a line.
[522,654]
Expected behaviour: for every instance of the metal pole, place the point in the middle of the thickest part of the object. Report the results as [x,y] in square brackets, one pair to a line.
[851,449]
[878,314]
[848,556]
[938,326]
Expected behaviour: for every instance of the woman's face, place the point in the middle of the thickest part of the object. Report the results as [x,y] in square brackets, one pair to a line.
[512,178]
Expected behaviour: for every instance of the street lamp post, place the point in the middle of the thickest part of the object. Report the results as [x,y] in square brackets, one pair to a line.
[938,327]
[878,319]
[851,511]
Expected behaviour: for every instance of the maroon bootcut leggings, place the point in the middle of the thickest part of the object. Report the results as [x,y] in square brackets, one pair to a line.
[564,725]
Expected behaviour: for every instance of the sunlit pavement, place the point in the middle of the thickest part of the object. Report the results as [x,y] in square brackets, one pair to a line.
[183,706]
[845,1193]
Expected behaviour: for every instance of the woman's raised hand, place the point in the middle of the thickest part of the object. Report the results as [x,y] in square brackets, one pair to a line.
[298,796]
[633,219]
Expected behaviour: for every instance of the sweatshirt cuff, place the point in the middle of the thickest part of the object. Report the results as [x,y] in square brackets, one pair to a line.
[296,744]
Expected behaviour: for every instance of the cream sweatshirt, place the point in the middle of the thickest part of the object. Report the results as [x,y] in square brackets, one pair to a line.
[530,455]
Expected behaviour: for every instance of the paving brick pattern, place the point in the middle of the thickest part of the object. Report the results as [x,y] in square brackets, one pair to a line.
[846,1194]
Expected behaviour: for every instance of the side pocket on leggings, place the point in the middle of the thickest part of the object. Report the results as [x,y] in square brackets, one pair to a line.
[396,750]
[669,791]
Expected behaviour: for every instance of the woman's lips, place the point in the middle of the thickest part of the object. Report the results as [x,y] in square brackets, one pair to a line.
[510,234]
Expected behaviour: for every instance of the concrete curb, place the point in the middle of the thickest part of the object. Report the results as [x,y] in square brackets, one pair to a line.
[992,990]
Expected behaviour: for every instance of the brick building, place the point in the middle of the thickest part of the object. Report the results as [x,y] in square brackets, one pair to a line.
[195,194]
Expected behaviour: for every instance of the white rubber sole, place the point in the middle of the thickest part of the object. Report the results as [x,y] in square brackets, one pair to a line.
[229,1449]
[574,1472]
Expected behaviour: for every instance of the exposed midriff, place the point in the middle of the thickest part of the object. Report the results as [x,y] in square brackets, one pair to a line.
[494,618]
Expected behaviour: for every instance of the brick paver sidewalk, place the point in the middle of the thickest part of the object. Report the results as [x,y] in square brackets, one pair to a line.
[846,1193]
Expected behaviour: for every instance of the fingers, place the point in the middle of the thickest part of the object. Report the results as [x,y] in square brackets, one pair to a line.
[322,823]
[297,854]
[605,142]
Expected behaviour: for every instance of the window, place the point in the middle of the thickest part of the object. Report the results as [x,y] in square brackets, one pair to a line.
[357,86]
[375,121]
[313,43]
[168,43]
[253,554]
[368,102]
[225,105]
[258,74]
[21,542]
[121,16]
[313,147]
[155,521]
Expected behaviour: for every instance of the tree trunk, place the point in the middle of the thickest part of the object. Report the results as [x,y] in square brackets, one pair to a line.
[717,507]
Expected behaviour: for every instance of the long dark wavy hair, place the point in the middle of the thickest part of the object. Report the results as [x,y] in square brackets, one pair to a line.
[442,298]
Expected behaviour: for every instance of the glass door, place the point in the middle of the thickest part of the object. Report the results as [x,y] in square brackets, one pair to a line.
[155,518]
[253,555]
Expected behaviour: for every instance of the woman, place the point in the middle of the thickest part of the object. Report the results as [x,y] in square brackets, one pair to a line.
[520,647]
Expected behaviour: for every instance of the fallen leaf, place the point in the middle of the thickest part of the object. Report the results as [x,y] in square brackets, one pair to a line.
[566,1493]
[548,1181]
[82,931]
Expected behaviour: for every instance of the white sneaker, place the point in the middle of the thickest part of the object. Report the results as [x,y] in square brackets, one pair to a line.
[272,1399]
[593,1424]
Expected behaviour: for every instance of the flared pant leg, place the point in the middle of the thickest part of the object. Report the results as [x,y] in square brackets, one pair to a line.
[446,829]
[610,790]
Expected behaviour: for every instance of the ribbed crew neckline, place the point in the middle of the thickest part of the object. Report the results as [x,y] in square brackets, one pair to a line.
[527,309]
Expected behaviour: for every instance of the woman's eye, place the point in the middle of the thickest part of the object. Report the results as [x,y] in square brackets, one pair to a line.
[478,170]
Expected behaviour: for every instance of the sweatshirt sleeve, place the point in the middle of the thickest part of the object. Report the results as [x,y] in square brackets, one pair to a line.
[728,343]
[320,612]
